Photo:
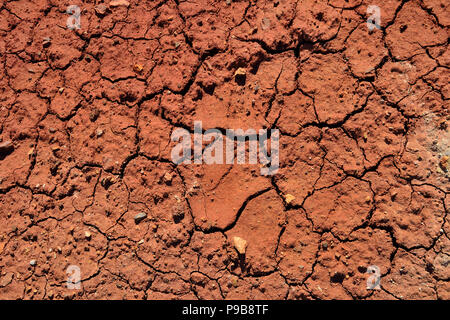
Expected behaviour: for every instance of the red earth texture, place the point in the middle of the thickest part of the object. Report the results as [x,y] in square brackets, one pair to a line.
[86,117]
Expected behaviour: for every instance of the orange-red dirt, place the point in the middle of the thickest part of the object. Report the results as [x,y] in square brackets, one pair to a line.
[86,118]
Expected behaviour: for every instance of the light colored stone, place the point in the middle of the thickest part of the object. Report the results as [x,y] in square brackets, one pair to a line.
[139,217]
[119,3]
[289,198]
[240,72]
[240,244]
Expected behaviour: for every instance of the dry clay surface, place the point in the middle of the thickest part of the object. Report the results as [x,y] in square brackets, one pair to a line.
[86,177]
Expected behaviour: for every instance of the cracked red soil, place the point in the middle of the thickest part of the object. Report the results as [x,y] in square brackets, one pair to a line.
[85,126]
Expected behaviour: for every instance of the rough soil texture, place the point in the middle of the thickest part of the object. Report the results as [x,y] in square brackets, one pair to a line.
[85,123]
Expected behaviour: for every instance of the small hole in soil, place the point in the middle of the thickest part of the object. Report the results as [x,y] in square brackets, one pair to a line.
[362,269]
[403,28]
[209,89]
[338,277]
[178,216]
[128,97]
[240,80]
